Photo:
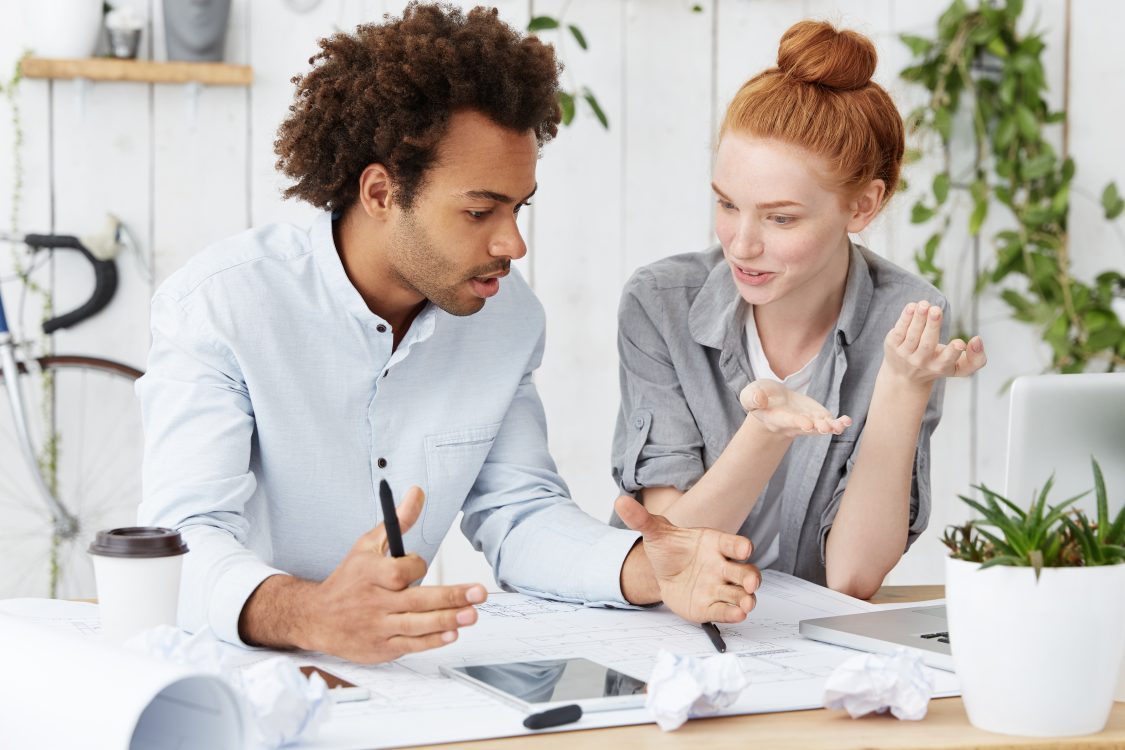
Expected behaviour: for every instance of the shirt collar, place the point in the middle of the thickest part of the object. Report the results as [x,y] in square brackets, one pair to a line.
[858,291]
[717,314]
[336,278]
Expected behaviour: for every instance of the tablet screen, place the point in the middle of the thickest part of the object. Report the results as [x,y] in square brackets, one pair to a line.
[556,680]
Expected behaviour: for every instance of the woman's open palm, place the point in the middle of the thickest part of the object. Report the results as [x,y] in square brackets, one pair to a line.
[788,412]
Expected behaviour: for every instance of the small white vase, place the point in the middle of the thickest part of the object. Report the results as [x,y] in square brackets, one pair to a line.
[62,28]
[1120,695]
[1036,658]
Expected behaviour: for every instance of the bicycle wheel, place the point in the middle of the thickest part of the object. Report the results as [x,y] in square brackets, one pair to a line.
[93,464]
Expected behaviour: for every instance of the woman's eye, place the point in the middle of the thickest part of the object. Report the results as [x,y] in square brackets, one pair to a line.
[781,220]
[725,204]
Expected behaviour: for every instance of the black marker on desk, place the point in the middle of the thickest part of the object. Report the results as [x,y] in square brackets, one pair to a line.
[716,639]
[390,519]
[554,717]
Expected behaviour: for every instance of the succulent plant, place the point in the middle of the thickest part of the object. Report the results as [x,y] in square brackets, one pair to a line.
[1043,536]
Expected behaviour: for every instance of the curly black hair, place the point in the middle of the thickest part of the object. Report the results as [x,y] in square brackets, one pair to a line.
[384,94]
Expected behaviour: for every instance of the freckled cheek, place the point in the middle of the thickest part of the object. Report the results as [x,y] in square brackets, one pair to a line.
[725,229]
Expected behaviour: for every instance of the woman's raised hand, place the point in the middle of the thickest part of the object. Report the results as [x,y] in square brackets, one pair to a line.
[914,352]
[787,412]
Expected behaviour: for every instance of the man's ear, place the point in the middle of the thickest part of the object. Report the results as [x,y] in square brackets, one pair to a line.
[376,190]
[865,207]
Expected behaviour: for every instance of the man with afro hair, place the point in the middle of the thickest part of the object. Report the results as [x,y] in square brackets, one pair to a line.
[293,369]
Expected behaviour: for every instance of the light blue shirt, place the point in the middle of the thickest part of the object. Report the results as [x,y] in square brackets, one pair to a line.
[273,404]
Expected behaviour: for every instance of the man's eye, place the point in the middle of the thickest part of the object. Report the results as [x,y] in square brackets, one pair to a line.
[516,210]
[478,214]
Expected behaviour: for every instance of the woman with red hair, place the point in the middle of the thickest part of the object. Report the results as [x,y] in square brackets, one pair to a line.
[785,384]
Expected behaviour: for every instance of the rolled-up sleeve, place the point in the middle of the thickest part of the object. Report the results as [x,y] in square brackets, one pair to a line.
[198,424]
[520,515]
[656,442]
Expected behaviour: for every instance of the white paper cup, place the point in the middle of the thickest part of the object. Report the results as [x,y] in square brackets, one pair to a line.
[137,571]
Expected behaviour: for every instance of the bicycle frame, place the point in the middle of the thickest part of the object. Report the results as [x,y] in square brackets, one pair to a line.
[66,525]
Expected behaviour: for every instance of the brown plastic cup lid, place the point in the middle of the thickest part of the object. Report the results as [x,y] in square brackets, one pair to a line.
[138,541]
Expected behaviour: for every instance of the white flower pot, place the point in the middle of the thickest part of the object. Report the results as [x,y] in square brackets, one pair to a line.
[1036,658]
[1121,683]
[62,28]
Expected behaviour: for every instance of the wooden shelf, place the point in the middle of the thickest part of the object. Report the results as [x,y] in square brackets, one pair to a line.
[146,71]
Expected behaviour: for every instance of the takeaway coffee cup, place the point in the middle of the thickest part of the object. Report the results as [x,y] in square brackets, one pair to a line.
[137,571]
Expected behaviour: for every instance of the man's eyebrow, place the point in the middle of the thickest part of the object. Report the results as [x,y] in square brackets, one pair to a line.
[489,195]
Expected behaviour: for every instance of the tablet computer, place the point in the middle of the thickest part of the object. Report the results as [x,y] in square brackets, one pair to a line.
[542,685]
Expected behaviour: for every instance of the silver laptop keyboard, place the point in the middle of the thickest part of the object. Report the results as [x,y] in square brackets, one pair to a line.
[941,637]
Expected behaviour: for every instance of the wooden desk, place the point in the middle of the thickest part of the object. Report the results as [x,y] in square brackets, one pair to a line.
[945,726]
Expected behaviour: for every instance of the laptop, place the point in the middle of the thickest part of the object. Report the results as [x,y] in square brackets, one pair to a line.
[1055,424]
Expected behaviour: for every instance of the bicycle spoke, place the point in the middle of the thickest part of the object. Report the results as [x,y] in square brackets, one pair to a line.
[98,463]
[91,484]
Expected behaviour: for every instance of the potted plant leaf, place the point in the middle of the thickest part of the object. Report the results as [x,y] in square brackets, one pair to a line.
[1036,606]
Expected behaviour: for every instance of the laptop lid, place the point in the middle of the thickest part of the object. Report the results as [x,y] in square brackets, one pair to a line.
[922,629]
[1056,423]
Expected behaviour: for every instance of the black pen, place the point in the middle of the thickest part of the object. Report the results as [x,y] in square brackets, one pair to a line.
[554,717]
[716,639]
[390,519]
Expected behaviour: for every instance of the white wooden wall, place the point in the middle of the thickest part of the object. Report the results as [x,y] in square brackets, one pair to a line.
[185,167]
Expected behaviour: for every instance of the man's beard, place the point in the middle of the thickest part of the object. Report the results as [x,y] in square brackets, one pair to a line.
[419,265]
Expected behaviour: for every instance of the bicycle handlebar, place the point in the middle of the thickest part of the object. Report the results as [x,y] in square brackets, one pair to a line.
[105,279]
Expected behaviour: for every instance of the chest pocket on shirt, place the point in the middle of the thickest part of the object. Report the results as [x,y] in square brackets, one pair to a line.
[453,461]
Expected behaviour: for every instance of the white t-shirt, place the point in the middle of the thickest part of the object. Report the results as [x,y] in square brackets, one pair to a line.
[763,525]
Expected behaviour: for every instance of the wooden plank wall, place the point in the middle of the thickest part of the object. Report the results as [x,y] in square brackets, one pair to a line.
[185,166]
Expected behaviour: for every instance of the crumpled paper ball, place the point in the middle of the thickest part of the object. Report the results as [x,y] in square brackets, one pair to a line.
[683,686]
[282,704]
[876,683]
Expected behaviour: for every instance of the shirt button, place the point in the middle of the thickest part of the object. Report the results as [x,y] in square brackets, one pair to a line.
[639,422]
[381,328]
[381,463]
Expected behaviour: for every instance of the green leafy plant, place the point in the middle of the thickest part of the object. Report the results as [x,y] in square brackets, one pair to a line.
[1102,543]
[1043,536]
[569,98]
[48,457]
[981,65]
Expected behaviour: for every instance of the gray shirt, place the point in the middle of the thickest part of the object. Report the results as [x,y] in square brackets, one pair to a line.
[684,362]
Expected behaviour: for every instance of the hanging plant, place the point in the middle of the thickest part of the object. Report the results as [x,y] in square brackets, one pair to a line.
[981,65]
[48,457]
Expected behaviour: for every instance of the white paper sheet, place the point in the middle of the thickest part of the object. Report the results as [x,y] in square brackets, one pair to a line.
[411,704]
[62,686]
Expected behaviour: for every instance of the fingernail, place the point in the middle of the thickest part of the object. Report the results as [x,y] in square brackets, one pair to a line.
[910,309]
[465,617]
[475,595]
[923,305]
[935,312]
[978,345]
[449,636]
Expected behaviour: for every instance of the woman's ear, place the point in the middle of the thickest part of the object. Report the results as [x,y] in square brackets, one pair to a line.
[866,206]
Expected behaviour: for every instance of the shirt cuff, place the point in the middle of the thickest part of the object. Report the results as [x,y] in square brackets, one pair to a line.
[599,576]
[232,588]
[669,470]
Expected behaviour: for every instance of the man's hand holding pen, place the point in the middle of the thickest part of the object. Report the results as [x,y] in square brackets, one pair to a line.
[366,612]
[697,571]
